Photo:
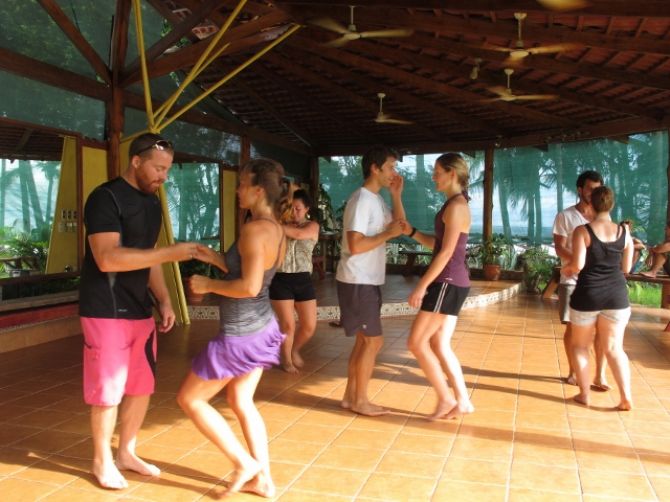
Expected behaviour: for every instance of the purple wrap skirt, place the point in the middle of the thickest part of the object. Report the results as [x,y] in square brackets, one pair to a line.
[231,356]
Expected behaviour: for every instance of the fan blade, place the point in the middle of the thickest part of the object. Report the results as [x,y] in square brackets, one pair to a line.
[382,118]
[500,90]
[550,49]
[564,4]
[400,32]
[491,47]
[344,39]
[329,24]
[536,97]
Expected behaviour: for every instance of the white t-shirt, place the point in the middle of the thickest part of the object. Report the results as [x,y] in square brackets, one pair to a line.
[565,223]
[366,212]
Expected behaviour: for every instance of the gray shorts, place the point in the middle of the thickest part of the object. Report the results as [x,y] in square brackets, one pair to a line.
[564,293]
[360,308]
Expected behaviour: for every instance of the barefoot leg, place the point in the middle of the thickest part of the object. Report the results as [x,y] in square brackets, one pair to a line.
[133,410]
[103,420]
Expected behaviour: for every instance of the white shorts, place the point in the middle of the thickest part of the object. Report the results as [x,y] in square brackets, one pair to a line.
[581,318]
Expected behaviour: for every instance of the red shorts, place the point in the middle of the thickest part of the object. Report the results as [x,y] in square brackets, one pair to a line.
[119,359]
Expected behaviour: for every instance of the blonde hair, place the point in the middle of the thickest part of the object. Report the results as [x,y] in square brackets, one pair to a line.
[602,199]
[449,161]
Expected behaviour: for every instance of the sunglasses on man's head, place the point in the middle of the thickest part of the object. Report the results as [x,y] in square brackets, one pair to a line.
[160,145]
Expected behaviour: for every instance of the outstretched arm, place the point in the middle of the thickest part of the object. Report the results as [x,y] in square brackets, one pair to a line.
[111,256]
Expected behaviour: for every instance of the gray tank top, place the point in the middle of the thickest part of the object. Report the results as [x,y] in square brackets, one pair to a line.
[242,316]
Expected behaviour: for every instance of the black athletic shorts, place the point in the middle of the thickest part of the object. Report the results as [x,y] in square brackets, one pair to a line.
[444,298]
[292,286]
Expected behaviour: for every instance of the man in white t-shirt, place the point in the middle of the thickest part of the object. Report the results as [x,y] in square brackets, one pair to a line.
[564,225]
[368,223]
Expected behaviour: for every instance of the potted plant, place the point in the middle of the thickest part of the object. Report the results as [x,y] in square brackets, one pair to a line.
[493,251]
[538,265]
[188,269]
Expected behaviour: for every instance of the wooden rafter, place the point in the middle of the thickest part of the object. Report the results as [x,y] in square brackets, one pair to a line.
[177,32]
[75,36]
[648,8]
[27,133]
[240,38]
[244,85]
[585,70]
[365,103]
[436,65]
[52,75]
[508,29]
[408,99]
[307,100]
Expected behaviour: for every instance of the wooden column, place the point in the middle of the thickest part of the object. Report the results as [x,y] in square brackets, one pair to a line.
[115,119]
[487,230]
[245,156]
[115,107]
[314,185]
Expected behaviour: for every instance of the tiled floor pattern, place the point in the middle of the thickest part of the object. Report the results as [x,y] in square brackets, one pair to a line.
[524,442]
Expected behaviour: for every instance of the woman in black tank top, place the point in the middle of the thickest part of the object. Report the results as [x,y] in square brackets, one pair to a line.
[602,252]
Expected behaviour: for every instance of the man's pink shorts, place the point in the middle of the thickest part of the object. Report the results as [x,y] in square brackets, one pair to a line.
[119,359]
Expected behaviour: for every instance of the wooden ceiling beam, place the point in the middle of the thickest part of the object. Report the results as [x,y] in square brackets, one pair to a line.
[318,80]
[408,99]
[545,63]
[72,32]
[533,88]
[243,85]
[46,73]
[440,66]
[624,8]
[240,38]
[308,101]
[179,30]
[616,128]
[212,122]
[508,29]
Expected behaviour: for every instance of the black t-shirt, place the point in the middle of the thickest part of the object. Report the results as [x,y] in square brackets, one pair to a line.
[116,206]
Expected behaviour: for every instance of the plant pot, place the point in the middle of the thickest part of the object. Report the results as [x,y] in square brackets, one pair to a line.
[491,271]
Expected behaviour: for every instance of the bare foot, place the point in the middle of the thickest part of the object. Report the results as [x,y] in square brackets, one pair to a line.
[460,409]
[298,361]
[260,485]
[346,404]
[571,379]
[241,477]
[289,368]
[441,410]
[131,462]
[581,399]
[625,405]
[369,409]
[648,273]
[600,386]
[108,476]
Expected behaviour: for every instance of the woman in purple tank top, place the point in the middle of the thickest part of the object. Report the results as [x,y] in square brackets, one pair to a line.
[443,288]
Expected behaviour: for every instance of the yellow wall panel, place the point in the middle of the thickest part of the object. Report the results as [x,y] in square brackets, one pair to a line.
[228,207]
[62,255]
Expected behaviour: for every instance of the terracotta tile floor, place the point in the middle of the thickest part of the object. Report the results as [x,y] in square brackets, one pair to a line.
[526,440]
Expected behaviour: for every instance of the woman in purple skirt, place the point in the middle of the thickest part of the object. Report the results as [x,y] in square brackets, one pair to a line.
[249,339]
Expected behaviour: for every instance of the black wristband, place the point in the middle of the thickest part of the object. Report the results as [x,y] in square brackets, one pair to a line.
[411,234]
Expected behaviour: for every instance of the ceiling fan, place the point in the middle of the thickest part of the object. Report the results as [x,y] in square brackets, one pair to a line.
[520,51]
[351,33]
[383,118]
[506,94]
